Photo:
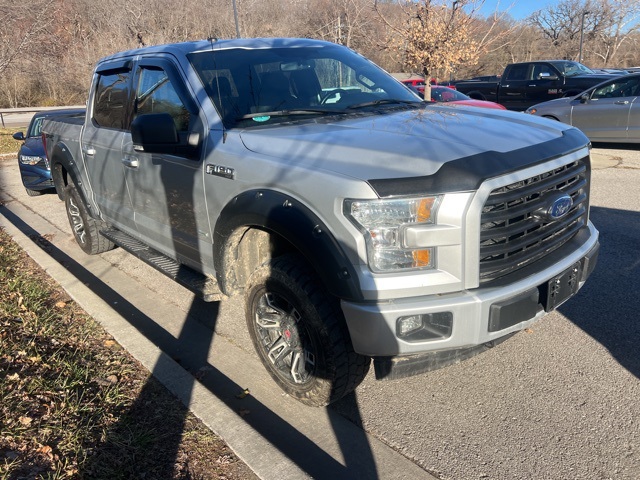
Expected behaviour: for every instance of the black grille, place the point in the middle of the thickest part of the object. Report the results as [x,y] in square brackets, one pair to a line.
[514,232]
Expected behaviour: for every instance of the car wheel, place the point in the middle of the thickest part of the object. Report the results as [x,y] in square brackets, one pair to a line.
[34,193]
[300,334]
[86,229]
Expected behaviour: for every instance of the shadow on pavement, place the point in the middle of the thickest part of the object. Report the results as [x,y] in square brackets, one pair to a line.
[191,349]
[607,306]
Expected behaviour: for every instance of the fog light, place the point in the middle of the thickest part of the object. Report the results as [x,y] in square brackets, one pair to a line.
[425,327]
[406,325]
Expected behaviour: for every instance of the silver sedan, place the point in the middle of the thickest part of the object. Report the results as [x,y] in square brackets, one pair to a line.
[608,112]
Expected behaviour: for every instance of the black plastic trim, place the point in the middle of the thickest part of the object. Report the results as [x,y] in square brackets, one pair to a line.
[61,154]
[393,368]
[283,215]
[468,173]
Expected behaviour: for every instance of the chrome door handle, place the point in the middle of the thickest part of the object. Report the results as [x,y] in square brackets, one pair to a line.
[90,151]
[622,102]
[131,162]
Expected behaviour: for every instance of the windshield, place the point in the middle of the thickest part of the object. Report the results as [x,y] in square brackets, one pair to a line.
[571,69]
[252,87]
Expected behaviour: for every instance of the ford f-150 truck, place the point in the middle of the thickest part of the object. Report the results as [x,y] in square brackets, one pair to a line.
[358,221]
[527,83]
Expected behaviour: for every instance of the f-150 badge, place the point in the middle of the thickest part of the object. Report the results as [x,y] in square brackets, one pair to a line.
[220,171]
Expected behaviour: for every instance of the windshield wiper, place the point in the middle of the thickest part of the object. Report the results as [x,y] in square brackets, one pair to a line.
[292,112]
[383,101]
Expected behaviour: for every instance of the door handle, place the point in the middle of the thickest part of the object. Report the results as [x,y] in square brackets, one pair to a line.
[90,151]
[622,102]
[131,162]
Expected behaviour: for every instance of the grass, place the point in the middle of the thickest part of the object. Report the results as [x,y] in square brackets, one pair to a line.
[7,143]
[74,404]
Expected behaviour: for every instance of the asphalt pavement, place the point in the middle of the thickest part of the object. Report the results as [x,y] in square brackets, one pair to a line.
[557,402]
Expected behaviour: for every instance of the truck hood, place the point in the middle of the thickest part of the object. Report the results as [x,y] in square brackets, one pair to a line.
[403,143]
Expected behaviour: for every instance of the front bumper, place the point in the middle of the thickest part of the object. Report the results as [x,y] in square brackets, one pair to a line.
[480,316]
[35,177]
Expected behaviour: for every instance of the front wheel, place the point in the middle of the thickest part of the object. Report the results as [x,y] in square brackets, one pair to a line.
[34,193]
[300,334]
[85,228]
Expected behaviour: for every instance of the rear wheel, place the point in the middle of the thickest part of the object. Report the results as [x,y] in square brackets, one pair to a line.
[300,334]
[85,228]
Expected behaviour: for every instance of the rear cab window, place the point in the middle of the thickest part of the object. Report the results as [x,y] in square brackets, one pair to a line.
[112,98]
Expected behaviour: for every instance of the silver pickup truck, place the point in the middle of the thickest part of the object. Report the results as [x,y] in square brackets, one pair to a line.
[358,221]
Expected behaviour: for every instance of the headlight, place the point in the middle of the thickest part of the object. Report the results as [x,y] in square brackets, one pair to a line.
[30,160]
[383,223]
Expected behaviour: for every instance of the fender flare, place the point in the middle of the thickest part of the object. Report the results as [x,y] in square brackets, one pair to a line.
[282,215]
[476,95]
[61,155]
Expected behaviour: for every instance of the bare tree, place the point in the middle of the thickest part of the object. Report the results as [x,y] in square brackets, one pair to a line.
[23,26]
[620,19]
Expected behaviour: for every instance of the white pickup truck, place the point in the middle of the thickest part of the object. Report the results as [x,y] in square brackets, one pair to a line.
[358,221]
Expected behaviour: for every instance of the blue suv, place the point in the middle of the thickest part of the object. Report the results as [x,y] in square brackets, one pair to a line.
[33,163]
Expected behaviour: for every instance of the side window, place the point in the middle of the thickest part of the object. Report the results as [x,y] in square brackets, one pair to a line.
[156,94]
[617,89]
[539,69]
[518,72]
[111,100]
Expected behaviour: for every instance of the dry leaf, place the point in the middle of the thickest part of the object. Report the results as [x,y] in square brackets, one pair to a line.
[26,421]
[61,305]
[45,450]
[109,343]
[243,394]
[106,382]
[528,330]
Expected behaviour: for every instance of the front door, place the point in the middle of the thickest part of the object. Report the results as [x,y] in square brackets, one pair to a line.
[606,114]
[167,191]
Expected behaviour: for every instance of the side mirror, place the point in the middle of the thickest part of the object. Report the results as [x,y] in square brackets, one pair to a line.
[157,133]
[547,76]
[18,136]
[584,98]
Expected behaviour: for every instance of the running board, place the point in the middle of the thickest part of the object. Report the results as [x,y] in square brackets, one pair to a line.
[203,286]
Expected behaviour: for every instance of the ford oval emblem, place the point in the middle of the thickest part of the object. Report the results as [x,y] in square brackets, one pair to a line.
[560,207]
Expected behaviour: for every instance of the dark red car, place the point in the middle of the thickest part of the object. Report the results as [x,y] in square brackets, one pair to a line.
[448,95]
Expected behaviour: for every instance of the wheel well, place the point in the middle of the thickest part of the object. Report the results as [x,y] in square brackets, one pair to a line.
[476,95]
[60,178]
[246,249]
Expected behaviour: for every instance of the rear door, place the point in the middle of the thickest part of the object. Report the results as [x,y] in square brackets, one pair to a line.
[513,86]
[108,119]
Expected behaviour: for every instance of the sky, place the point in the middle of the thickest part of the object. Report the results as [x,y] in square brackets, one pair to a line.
[519,10]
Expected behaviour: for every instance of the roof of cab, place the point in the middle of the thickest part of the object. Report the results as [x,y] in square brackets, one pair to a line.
[184,48]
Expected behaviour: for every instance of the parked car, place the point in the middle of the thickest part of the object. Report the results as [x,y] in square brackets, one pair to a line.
[608,112]
[417,84]
[448,95]
[525,84]
[33,163]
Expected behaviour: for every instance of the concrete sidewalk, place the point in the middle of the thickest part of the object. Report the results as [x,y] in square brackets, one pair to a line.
[275,435]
